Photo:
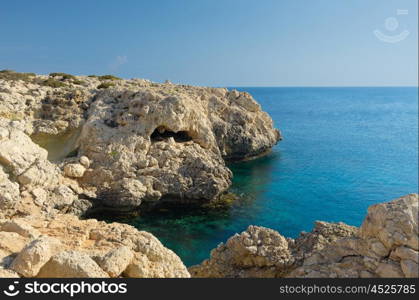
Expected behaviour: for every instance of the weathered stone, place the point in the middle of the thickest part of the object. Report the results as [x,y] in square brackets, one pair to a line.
[35,255]
[84,160]
[12,242]
[410,268]
[116,261]
[74,170]
[19,227]
[6,273]
[71,264]
[330,250]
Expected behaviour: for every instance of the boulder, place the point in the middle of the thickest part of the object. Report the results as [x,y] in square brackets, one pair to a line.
[74,170]
[71,264]
[116,261]
[35,255]
[384,246]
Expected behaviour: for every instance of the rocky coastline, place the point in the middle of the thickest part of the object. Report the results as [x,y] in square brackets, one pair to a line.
[70,145]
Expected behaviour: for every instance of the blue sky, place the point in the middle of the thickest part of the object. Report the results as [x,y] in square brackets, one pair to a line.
[215,43]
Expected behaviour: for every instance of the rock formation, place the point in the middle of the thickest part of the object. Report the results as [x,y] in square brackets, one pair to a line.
[70,144]
[386,245]
[77,143]
[64,246]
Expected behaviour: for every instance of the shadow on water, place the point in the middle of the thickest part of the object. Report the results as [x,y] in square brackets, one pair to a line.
[192,232]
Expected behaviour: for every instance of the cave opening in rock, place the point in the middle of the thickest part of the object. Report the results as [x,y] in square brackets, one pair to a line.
[161,133]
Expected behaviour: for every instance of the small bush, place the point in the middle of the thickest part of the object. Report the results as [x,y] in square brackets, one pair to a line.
[64,76]
[77,81]
[108,77]
[53,83]
[93,76]
[105,85]
[12,75]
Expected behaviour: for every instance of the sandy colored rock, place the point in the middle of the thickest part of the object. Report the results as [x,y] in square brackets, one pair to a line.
[19,227]
[6,273]
[330,250]
[9,191]
[71,264]
[394,223]
[410,268]
[84,160]
[35,255]
[74,170]
[12,241]
[256,252]
[135,144]
[116,261]
[110,246]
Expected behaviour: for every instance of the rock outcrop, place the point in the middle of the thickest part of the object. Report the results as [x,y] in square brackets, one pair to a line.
[70,144]
[64,246]
[75,143]
[386,245]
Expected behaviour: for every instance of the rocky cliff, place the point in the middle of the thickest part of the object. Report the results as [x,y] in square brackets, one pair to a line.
[386,245]
[75,142]
[69,144]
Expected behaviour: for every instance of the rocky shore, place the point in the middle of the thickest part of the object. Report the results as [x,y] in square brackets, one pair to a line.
[386,245]
[89,143]
[71,145]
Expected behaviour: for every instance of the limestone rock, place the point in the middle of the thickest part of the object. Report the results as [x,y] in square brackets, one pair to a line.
[256,252]
[116,261]
[84,160]
[12,242]
[9,191]
[393,223]
[19,227]
[71,264]
[74,170]
[136,144]
[96,249]
[6,273]
[410,268]
[35,255]
[384,246]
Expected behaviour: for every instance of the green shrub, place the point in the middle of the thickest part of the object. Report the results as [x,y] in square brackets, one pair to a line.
[53,83]
[93,76]
[105,85]
[77,81]
[13,75]
[108,77]
[64,76]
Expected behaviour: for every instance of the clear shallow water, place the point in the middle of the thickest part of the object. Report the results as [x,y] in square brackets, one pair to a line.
[343,150]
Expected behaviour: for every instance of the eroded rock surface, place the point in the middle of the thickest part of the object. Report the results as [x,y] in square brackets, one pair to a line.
[386,245]
[135,143]
[64,246]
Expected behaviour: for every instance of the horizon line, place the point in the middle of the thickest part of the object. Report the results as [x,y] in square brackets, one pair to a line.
[319,86]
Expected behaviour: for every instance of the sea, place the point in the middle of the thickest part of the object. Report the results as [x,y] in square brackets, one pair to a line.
[343,149]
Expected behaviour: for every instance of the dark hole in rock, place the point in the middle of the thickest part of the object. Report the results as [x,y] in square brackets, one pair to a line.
[73,153]
[161,134]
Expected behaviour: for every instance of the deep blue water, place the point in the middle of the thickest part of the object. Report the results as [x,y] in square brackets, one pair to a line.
[343,150]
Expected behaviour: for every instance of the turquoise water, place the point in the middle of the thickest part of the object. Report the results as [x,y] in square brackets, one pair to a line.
[343,150]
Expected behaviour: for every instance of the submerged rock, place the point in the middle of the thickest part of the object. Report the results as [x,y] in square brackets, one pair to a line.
[386,245]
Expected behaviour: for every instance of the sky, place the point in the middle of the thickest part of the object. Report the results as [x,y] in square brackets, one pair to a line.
[217,43]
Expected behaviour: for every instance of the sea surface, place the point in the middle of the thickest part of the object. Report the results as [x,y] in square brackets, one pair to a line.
[343,150]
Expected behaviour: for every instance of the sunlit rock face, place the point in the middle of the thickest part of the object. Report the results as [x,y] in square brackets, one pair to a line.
[145,143]
[159,144]
[386,245]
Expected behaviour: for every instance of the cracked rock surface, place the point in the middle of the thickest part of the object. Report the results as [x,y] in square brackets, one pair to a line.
[135,144]
[386,245]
